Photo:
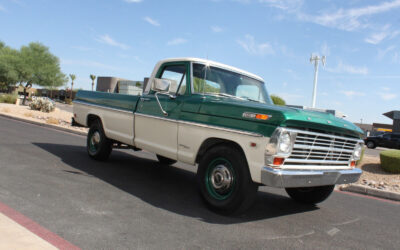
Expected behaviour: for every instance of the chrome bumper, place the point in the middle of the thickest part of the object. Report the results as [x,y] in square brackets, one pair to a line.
[307,178]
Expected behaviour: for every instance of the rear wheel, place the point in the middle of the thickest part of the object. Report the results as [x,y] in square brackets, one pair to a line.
[98,145]
[371,144]
[224,180]
[310,195]
[165,161]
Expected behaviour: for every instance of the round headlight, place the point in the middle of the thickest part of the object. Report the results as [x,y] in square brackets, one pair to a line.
[285,143]
[357,151]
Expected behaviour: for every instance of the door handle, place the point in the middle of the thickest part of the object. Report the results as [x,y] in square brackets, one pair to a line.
[144,99]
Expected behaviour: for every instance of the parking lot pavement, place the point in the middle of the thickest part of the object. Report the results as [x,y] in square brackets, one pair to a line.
[131,201]
[64,106]
[374,152]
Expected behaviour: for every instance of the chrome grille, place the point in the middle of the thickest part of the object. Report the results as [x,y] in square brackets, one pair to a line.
[312,148]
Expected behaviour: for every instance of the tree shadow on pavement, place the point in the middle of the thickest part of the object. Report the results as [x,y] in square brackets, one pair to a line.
[170,188]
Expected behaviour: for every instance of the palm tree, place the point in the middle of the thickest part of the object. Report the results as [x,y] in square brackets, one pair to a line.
[93,77]
[73,77]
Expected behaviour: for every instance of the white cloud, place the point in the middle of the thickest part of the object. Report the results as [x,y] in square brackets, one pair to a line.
[2,8]
[151,21]
[106,39]
[177,41]
[284,4]
[376,37]
[386,88]
[216,29]
[254,48]
[385,33]
[133,1]
[350,69]
[351,93]
[387,96]
[344,19]
[382,52]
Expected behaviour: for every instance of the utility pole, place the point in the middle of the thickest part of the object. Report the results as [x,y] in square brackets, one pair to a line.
[315,60]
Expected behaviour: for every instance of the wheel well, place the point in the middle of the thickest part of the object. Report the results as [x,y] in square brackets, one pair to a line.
[211,142]
[92,118]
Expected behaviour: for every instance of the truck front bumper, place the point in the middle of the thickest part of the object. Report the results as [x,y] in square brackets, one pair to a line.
[307,178]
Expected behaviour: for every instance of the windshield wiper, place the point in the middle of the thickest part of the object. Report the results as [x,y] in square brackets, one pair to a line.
[252,100]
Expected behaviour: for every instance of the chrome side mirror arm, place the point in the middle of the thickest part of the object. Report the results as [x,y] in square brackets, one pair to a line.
[158,101]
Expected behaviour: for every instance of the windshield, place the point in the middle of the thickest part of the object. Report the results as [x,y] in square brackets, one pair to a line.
[212,80]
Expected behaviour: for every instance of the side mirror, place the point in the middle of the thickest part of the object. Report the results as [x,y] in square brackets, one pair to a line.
[164,85]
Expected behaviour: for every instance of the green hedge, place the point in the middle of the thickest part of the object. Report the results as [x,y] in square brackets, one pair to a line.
[390,161]
[8,98]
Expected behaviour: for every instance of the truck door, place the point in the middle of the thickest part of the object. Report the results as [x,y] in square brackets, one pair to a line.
[155,131]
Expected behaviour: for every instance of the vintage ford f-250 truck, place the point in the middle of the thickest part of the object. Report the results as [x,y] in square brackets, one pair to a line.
[222,119]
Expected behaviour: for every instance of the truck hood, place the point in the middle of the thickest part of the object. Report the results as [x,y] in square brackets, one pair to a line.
[279,115]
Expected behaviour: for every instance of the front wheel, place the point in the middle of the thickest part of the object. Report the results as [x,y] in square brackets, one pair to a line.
[224,180]
[98,145]
[310,195]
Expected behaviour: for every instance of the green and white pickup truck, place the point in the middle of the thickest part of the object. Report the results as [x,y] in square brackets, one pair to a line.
[222,119]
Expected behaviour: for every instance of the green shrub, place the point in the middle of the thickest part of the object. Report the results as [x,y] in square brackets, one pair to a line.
[362,156]
[42,104]
[68,101]
[390,161]
[8,98]
[278,100]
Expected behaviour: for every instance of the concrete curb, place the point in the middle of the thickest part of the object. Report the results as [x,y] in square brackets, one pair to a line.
[45,125]
[361,189]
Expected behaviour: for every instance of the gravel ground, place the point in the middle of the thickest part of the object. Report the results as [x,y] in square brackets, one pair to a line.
[373,176]
[58,117]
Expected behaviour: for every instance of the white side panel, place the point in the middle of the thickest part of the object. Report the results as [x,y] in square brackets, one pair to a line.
[190,138]
[118,125]
[156,135]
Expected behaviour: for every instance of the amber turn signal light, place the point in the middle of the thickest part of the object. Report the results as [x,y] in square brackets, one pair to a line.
[262,117]
[278,161]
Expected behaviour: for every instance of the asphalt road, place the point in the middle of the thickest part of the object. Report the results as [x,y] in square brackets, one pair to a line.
[374,152]
[133,202]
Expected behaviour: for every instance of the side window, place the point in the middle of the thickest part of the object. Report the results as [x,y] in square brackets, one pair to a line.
[176,73]
[386,137]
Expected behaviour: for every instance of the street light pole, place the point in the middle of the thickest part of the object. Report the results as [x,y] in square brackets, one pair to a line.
[315,60]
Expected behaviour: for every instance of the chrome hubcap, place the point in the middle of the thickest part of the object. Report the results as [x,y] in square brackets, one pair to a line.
[221,178]
[95,138]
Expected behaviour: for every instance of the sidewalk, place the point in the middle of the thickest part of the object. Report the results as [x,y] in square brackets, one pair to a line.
[15,236]
[19,232]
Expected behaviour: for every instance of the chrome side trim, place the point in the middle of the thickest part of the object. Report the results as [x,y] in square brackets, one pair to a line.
[237,131]
[103,107]
[156,117]
[307,178]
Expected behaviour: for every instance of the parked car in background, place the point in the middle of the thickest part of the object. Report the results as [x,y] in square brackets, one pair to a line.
[387,140]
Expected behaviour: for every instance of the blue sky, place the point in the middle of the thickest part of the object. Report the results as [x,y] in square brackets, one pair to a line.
[271,38]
